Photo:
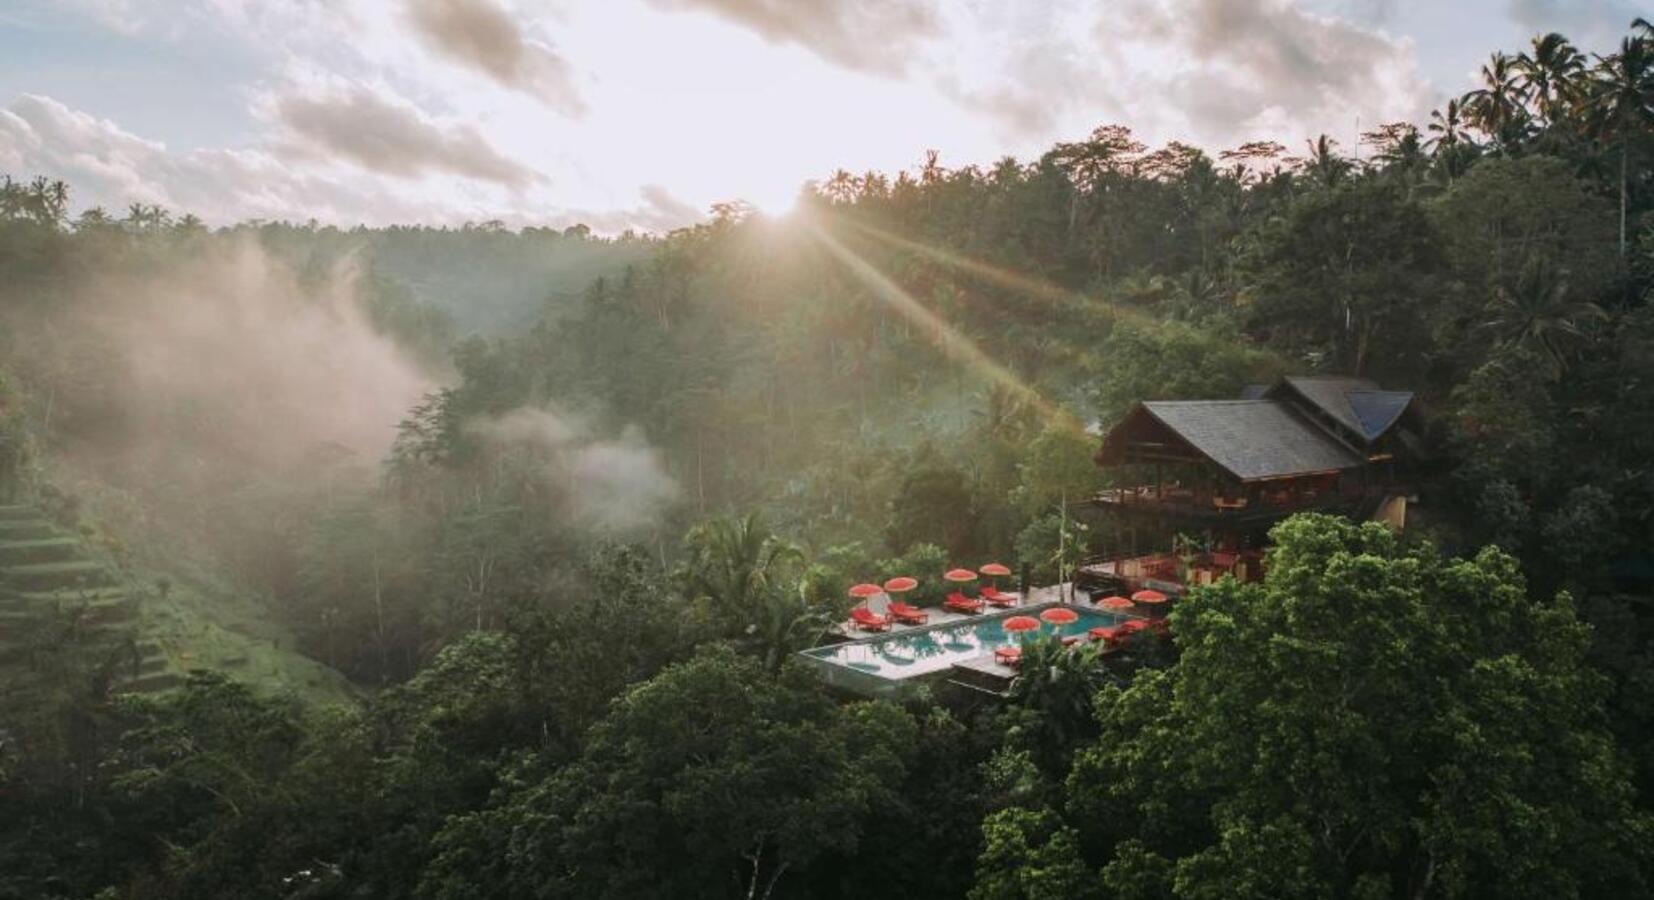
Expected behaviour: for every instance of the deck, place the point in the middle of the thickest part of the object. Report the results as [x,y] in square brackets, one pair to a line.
[846,630]
[1215,510]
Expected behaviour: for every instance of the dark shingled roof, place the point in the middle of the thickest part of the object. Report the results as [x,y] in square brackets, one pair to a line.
[1253,439]
[1355,403]
[1378,410]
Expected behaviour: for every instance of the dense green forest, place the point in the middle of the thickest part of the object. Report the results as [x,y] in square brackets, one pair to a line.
[556,510]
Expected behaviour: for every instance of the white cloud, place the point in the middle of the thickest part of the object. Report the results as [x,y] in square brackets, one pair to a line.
[486,38]
[870,35]
[381,134]
[1209,72]
[111,167]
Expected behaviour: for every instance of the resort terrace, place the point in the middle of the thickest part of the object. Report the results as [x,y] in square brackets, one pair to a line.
[976,652]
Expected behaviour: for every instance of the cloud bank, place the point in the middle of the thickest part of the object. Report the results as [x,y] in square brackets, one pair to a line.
[482,36]
[111,167]
[373,132]
[868,35]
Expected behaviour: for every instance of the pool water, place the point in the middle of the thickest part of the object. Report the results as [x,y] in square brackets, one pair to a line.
[922,651]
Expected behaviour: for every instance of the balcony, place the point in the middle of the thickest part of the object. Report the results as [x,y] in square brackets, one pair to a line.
[1255,506]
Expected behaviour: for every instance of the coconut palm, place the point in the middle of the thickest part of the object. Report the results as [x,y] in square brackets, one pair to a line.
[1538,314]
[1447,126]
[1324,163]
[1621,105]
[734,567]
[1496,108]
[1549,76]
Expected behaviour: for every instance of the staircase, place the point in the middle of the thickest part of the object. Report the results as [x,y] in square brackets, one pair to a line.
[44,572]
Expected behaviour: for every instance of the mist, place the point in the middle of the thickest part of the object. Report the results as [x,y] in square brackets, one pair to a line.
[611,485]
[223,365]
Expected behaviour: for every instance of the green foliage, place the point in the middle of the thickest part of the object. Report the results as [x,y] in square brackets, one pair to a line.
[925,562]
[1031,856]
[1056,467]
[1343,274]
[713,778]
[1172,361]
[1052,545]
[1372,718]
[933,504]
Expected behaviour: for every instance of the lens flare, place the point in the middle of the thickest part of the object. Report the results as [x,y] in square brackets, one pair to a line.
[953,343]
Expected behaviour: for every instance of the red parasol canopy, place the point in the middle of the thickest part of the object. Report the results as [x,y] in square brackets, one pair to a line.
[994,569]
[1148,597]
[1060,615]
[1020,623]
[901,585]
[960,575]
[1131,626]
[1114,603]
[866,590]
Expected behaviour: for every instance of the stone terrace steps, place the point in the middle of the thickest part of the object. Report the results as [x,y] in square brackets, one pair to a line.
[18,511]
[62,575]
[70,595]
[25,529]
[42,570]
[37,550]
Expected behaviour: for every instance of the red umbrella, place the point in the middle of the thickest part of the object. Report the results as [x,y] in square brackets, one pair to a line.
[994,569]
[866,590]
[901,585]
[1114,603]
[1020,623]
[1060,615]
[960,575]
[1148,597]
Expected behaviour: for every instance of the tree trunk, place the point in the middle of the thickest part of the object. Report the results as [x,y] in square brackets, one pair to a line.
[379,615]
[1625,149]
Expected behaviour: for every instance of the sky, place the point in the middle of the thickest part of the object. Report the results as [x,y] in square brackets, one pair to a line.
[642,113]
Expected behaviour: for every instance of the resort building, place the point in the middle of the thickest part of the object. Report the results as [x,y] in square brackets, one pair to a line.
[1202,481]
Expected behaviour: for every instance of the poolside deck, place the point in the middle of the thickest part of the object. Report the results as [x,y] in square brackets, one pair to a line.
[1056,593]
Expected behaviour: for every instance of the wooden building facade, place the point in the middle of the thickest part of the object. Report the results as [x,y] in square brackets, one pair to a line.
[1217,474]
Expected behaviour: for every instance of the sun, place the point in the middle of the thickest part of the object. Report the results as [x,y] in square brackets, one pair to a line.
[774,203]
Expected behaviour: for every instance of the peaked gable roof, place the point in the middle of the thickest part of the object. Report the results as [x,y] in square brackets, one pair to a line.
[1356,404]
[1252,439]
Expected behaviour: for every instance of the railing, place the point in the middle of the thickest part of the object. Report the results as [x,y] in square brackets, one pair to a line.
[1159,569]
[1217,505]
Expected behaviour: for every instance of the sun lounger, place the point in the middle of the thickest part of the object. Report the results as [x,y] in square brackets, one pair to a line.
[868,620]
[907,614]
[997,597]
[961,603]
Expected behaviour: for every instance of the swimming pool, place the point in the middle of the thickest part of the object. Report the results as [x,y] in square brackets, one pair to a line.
[914,652]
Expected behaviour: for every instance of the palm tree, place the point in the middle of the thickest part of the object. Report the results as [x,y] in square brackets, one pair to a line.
[1496,108]
[1622,105]
[1324,163]
[1447,125]
[1059,684]
[1448,144]
[734,564]
[1539,315]
[1549,76]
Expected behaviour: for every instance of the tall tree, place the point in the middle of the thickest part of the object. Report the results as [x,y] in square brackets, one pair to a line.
[1622,107]
[1496,107]
[1549,76]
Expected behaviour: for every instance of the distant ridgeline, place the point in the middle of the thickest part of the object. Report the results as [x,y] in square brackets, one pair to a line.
[482,277]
